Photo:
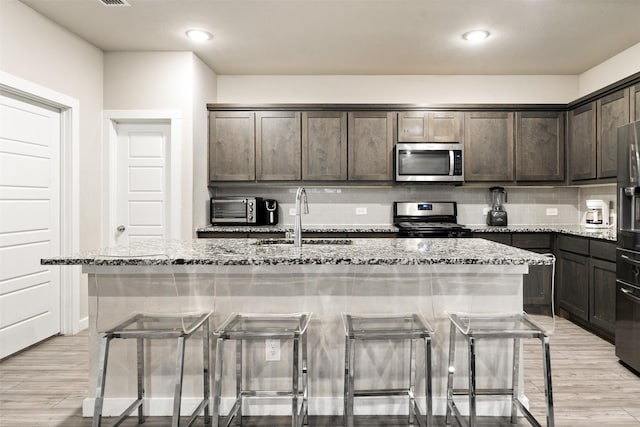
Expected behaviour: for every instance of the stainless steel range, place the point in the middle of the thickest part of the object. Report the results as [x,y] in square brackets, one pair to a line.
[428,219]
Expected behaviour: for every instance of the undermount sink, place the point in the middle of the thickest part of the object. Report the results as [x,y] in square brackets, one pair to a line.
[304,242]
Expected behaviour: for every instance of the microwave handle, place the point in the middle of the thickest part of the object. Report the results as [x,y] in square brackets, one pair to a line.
[230,201]
[451,162]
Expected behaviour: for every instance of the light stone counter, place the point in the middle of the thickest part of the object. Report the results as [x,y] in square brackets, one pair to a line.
[428,276]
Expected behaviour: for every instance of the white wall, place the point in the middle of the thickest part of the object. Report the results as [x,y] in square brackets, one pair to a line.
[397,89]
[610,71]
[165,81]
[204,92]
[35,49]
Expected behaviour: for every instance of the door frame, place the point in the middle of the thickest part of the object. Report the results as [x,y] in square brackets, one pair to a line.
[111,118]
[70,276]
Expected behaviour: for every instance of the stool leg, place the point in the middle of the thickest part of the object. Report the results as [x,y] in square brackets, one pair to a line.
[428,383]
[217,382]
[412,381]
[102,376]
[206,387]
[546,354]
[295,381]
[351,380]
[451,369]
[140,345]
[305,380]
[345,397]
[515,376]
[472,381]
[239,345]
[177,395]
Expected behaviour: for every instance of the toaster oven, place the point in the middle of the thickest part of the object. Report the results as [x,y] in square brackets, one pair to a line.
[237,211]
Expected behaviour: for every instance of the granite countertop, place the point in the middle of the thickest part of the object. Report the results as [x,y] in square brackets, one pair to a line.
[378,251]
[573,230]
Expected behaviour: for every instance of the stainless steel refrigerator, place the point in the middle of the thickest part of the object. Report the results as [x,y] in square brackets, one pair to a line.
[628,253]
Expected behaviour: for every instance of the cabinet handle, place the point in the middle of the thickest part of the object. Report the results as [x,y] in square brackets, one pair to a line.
[631,260]
[630,295]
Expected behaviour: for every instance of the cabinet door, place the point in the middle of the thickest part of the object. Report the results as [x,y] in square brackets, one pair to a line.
[582,142]
[573,283]
[602,295]
[278,146]
[635,102]
[613,111]
[370,136]
[540,146]
[488,145]
[536,288]
[231,146]
[430,126]
[324,146]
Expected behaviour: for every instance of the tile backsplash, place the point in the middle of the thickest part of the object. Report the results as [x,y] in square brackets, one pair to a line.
[337,205]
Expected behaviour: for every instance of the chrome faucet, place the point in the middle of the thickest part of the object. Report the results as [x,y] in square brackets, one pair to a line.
[301,195]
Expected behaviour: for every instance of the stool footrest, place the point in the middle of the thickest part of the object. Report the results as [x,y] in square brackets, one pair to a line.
[383,392]
[268,393]
[484,392]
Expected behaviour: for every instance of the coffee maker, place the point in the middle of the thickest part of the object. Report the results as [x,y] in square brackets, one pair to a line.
[597,215]
[497,215]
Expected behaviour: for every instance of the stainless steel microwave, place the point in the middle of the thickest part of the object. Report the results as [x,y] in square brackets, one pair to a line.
[429,162]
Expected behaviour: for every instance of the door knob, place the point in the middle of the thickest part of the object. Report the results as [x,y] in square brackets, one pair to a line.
[121,228]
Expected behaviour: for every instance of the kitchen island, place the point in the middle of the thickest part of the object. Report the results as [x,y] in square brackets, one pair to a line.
[429,276]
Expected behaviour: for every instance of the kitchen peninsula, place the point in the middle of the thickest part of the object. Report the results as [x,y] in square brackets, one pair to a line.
[429,276]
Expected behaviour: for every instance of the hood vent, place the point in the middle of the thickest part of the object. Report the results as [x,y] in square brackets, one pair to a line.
[114,2]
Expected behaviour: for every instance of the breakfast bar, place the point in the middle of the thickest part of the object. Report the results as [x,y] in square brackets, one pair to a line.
[326,277]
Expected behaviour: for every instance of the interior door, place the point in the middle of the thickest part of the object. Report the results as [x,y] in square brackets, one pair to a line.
[142,200]
[29,223]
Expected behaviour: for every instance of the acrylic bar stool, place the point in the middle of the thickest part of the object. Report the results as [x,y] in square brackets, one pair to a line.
[397,327]
[505,326]
[243,327]
[172,322]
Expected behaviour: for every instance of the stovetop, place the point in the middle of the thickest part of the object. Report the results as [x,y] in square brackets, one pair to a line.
[433,219]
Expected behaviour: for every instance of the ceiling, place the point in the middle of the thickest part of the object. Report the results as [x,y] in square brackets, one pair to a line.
[370,37]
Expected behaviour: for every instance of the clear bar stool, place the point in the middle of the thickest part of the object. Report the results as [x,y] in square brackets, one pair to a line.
[397,327]
[243,327]
[476,326]
[149,306]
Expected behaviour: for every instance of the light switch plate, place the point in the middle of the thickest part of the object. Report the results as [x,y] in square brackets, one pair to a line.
[361,211]
[552,211]
[485,211]
[292,211]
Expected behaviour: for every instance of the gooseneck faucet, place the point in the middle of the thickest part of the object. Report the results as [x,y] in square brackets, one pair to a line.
[301,196]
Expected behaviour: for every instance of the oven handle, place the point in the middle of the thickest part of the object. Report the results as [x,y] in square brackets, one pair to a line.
[631,260]
[630,295]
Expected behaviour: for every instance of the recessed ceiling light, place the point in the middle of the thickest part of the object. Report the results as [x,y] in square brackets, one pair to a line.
[475,35]
[199,35]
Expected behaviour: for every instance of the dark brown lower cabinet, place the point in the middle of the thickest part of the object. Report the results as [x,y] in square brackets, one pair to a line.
[586,281]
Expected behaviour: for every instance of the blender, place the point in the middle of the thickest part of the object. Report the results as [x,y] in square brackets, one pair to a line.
[497,215]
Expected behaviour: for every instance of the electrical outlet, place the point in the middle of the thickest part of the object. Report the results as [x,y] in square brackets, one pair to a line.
[292,211]
[552,211]
[361,211]
[485,211]
[272,350]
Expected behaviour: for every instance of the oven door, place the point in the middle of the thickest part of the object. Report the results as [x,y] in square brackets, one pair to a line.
[429,162]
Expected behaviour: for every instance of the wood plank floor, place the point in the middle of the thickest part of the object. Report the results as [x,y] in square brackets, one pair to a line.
[45,385]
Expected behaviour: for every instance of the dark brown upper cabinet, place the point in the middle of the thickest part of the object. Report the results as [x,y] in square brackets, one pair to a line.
[540,146]
[613,111]
[232,146]
[582,142]
[278,146]
[430,126]
[488,146]
[370,136]
[324,146]
[635,102]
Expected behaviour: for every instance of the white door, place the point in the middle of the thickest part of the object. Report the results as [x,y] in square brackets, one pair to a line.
[142,200]
[29,223]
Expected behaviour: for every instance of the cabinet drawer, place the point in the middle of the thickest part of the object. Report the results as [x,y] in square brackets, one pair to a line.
[578,245]
[372,234]
[603,250]
[266,235]
[221,235]
[531,240]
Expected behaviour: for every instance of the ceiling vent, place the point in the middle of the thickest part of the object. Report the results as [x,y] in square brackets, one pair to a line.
[114,2]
